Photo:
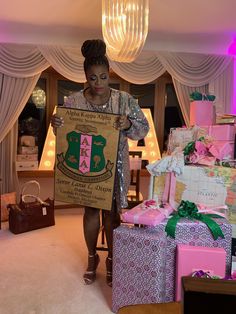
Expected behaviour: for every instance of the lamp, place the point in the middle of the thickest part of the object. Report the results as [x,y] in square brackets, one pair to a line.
[39,97]
[124,28]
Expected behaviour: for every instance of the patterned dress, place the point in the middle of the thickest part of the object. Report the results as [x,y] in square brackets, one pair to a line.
[124,104]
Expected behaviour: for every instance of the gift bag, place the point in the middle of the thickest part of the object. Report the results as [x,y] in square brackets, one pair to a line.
[31,213]
[202,112]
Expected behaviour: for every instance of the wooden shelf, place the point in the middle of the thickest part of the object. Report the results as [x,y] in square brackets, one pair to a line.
[36,173]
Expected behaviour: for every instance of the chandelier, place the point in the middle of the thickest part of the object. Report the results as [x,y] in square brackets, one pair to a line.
[39,97]
[124,28]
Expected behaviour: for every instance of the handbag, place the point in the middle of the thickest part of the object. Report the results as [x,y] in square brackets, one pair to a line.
[31,215]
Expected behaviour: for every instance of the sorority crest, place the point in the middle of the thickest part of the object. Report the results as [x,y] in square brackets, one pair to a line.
[86,158]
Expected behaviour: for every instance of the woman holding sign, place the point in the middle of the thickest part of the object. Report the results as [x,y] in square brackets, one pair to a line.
[131,122]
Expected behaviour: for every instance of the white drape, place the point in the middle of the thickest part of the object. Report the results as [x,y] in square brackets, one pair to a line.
[21,66]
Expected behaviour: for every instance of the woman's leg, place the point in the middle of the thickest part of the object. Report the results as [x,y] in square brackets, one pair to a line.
[91,222]
[111,221]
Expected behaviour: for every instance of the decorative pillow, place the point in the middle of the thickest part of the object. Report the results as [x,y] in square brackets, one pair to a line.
[8,198]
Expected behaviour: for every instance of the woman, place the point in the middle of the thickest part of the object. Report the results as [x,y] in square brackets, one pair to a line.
[131,122]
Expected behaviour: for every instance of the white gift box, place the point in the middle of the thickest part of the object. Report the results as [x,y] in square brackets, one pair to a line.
[180,137]
[26,165]
[27,157]
[28,150]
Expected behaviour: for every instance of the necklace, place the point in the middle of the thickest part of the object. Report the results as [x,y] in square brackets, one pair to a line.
[101,108]
[105,107]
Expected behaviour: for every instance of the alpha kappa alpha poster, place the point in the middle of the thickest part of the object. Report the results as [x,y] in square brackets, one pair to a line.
[86,153]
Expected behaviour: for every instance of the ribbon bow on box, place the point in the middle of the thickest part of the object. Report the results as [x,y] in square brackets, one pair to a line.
[189,210]
[199,96]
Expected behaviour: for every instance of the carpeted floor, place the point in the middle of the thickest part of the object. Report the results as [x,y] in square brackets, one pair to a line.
[41,271]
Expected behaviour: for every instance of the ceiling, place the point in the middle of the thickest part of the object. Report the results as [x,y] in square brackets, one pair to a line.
[207,26]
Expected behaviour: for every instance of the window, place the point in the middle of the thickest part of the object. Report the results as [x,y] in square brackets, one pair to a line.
[65,88]
[32,123]
[145,95]
[173,114]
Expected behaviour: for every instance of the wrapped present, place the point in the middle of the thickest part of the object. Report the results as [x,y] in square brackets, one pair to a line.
[26,165]
[191,259]
[209,186]
[147,213]
[206,151]
[138,266]
[222,150]
[180,137]
[194,233]
[224,132]
[225,118]
[202,112]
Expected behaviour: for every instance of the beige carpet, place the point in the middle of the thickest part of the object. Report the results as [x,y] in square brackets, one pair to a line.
[41,271]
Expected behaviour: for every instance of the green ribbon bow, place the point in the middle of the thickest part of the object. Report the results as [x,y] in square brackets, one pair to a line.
[189,210]
[199,96]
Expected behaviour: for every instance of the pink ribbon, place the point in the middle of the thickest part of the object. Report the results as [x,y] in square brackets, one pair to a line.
[212,209]
[207,153]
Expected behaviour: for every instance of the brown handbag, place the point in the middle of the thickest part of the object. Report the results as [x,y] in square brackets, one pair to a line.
[31,215]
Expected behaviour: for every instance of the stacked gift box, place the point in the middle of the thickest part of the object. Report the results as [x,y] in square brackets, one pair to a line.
[186,228]
[27,157]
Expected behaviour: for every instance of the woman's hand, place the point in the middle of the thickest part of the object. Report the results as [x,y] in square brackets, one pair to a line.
[122,123]
[56,122]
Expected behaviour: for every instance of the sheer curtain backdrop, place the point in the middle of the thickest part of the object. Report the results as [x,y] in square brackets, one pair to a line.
[22,64]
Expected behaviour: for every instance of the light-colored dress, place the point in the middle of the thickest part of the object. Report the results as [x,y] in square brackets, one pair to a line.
[124,104]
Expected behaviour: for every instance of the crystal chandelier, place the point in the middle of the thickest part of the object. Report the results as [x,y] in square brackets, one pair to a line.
[39,97]
[124,28]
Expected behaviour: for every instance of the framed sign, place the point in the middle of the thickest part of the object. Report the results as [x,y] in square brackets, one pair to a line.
[86,154]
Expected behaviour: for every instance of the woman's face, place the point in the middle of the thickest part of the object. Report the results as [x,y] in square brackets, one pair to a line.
[98,79]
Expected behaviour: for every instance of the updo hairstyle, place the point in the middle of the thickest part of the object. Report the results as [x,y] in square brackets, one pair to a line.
[94,52]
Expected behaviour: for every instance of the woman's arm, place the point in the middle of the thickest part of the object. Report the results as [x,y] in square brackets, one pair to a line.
[139,126]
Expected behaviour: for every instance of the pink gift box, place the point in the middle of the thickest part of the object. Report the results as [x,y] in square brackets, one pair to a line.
[202,112]
[193,258]
[222,149]
[147,213]
[224,132]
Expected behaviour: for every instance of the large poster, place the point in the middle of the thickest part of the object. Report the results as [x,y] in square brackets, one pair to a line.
[86,153]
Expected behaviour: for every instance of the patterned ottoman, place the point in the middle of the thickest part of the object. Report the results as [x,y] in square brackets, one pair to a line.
[138,266]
